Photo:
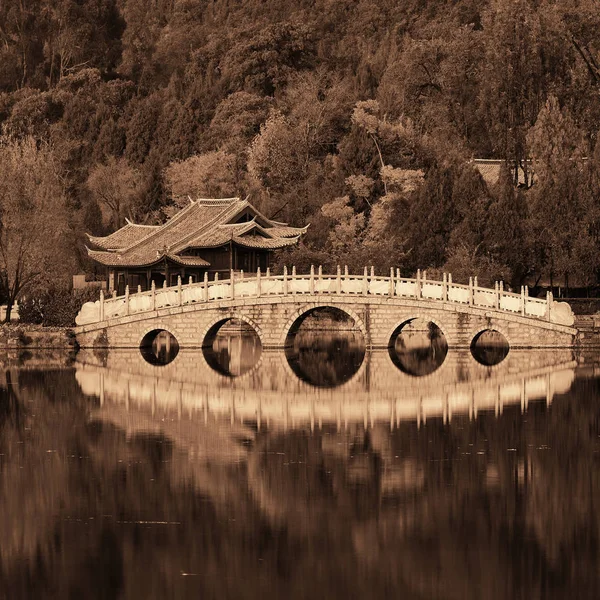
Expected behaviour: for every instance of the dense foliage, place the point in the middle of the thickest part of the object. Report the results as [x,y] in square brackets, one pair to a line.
[357,116]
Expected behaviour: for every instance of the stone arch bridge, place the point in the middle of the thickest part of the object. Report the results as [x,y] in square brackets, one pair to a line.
[274,305]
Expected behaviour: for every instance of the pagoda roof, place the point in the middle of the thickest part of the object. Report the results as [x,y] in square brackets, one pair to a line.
[204,223]
[124,237]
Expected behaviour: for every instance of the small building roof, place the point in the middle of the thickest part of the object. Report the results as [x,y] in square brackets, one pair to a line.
[490,170]
[204,223]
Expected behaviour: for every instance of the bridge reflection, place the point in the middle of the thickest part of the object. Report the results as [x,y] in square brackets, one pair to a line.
[272,396]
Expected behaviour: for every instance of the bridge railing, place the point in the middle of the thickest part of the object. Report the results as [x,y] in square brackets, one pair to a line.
[240,285]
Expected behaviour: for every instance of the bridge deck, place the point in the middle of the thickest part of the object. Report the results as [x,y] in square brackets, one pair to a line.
[240,286]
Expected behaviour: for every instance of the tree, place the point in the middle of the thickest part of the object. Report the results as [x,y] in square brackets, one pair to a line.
[210,175]
[33,219]
[118,189]
[560,214]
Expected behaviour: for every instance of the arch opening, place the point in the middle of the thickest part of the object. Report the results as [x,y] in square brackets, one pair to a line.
[489,347]
[418,347]
[159,347]
[232,347]
[325,347]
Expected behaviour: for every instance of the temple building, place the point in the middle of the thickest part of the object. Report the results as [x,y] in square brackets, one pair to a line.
[207,236]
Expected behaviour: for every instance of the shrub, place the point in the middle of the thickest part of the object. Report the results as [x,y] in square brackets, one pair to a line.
[55,308]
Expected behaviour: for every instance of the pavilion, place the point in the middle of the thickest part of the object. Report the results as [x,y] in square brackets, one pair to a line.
[207,236]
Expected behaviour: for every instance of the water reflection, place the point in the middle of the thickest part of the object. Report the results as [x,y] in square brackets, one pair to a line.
[234,352]
[134,481]
[418,348]
[326,361]
[489,347]
[159,347]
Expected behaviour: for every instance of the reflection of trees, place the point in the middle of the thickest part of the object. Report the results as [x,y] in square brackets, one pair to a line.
[494,508]
[326,360]
[421,360]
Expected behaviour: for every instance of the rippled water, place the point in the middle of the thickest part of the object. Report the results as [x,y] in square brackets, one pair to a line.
[325,471]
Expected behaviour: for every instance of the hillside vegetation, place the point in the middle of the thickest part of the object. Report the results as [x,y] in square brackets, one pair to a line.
[361,117]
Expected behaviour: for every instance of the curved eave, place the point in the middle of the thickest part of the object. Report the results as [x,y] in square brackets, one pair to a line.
[114,259]
[259,243]
[285,231]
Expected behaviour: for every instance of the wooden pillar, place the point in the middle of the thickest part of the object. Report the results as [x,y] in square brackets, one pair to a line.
[101,305]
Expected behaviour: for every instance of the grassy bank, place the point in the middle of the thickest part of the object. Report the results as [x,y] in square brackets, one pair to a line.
[32,337]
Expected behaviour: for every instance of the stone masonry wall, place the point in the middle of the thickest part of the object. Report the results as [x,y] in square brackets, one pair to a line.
[376,317]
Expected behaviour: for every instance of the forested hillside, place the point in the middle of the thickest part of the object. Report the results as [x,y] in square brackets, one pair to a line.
[361,117]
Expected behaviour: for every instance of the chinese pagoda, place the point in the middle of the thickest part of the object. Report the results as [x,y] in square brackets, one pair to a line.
[207,236]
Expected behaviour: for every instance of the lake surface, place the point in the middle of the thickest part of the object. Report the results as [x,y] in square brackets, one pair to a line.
[321,472]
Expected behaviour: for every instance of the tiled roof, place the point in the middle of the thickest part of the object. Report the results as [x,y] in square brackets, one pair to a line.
[251,241]
[124,237]
[204,223]
[115,259]
[286,231]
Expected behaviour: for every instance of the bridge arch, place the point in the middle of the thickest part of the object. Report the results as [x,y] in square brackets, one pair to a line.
[207,335]
[296,319]
[159,326]
[416,315]
[475,332]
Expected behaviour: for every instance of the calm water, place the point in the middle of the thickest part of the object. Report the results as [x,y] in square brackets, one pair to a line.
[320,472]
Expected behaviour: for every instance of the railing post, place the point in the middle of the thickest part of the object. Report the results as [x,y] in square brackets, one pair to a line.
[179,291]
[206,286]
[496,294]
[126,299]
[114,294]
[190,280]
[293,279]
[285,280]
[153,295]
[338,280]
[101,313]
[449,286]
[232,283]
[419,284]
[258,282]
[523,300]
[311,285]
[444,287]
[501,292]
[391,288]
[365,282]
[139,290]
[549,302]
[320,278]
[372,272]
[471,292]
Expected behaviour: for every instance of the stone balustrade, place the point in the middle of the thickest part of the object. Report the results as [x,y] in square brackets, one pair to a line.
[315,283]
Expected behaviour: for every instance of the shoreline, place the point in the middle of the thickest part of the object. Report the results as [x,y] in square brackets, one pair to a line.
[25,336]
